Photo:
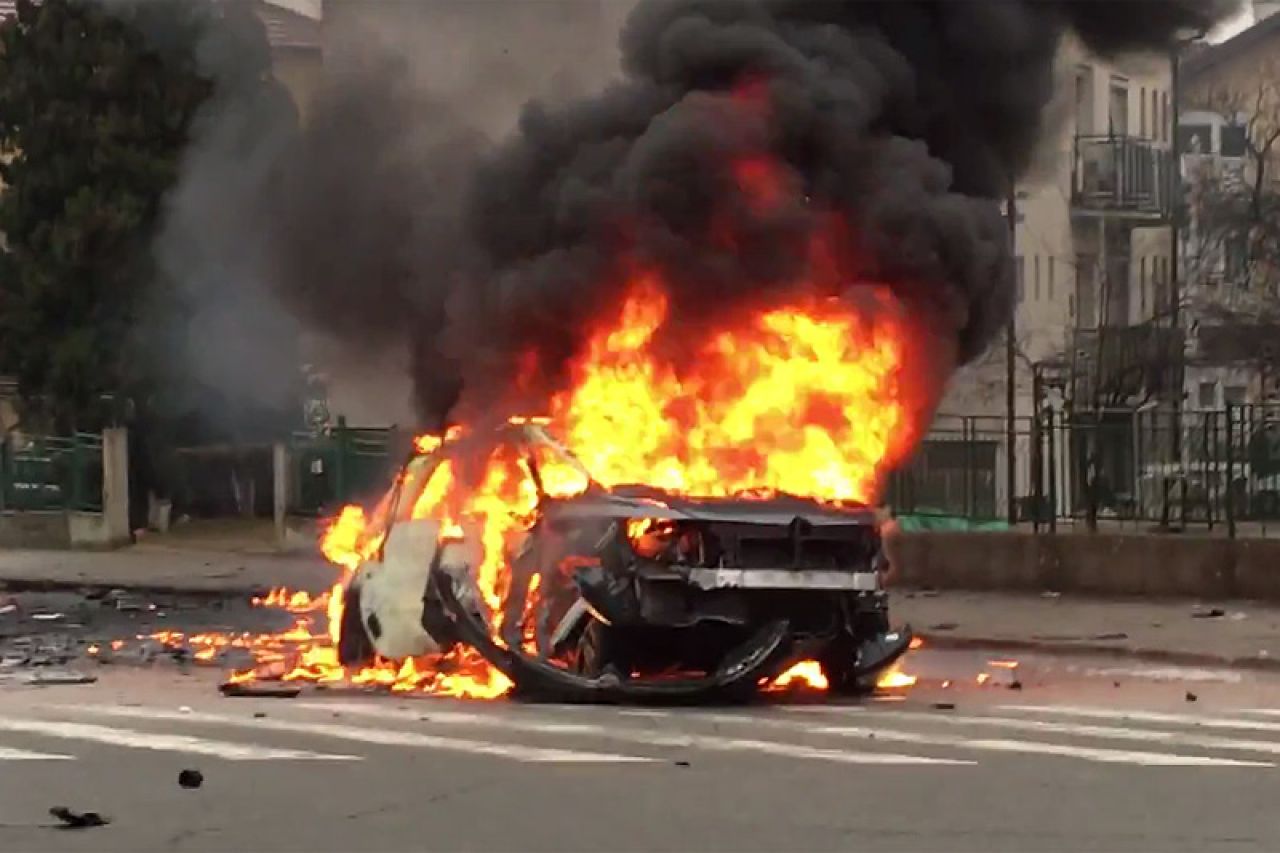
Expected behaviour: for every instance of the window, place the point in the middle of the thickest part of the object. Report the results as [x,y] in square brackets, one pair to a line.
[1164,117]
[1051,278]
[1233,395]
[1118,108]
[1208,395]
[1020,272]
[1196,138]
[1157,128]
[1084,100]
[1142,111]
[1142,287]
[1233,140]
[1037,277]
[1236,259]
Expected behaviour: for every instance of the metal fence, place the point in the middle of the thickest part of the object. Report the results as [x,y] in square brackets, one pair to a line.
[51,473]
[1137,467]
[342,464]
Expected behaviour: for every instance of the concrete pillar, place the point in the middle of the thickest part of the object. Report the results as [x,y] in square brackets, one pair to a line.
[280,489]
[115,484]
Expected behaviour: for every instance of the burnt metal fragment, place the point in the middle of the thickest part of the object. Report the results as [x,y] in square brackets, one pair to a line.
[78,820]
[254,689]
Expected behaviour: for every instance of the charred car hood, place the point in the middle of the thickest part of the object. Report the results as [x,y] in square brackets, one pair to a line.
[642,502]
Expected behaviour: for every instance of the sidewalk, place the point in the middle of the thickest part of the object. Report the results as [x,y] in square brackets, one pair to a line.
[159,568]
[1246,634]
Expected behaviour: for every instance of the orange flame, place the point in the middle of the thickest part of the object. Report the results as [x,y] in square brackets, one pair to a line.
[804,398]
[806,674]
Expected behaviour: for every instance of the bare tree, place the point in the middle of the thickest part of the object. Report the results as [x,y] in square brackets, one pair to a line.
[1233,212]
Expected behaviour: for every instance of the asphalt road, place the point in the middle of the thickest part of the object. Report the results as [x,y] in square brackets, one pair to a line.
[1086,756]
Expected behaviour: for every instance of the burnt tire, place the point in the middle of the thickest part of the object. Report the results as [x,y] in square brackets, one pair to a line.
[354,646]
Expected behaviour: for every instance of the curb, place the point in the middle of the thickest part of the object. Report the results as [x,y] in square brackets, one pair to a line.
[1063,649]
[133,586]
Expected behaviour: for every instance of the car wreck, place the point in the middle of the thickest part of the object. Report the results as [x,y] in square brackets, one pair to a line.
[621,593]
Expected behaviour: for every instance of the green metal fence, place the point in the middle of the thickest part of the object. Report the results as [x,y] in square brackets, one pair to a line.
[342,464]
[1144,467]
[51,473]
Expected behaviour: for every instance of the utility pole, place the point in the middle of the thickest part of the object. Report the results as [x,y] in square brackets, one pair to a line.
[1175,189]
[1011,367]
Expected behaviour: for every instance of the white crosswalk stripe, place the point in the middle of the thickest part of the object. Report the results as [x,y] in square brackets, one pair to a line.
[381,737]
[163,742]
[7,754]
[684,740]
[871,734]
[1137,716]
[1031,747]
[1107,732]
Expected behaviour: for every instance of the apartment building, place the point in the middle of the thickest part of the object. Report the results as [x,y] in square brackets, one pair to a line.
[1229,134]
[1092,241]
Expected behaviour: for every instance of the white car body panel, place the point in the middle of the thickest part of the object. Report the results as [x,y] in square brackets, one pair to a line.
[392,589]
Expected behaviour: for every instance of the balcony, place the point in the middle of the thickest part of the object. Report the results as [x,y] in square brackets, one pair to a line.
[1121,174]
[1135,361]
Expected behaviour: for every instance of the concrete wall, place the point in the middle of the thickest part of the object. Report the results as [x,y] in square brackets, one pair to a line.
[1100,564]
[34,530]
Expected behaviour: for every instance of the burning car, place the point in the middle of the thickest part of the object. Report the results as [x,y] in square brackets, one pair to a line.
[576,591]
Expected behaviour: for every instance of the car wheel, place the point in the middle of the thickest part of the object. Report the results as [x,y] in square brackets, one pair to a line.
[354,646]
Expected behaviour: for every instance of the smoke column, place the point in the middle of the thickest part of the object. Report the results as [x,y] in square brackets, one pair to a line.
[907,119]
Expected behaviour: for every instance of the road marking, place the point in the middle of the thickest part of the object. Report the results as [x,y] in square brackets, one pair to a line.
[1266,712]
[1103,732]
[712,743]
[1111,756]
[1146,717]
[7,754]
[381,737]
[162,742]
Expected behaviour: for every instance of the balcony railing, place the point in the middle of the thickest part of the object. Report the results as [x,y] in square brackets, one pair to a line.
[1124,362]
[1123,174]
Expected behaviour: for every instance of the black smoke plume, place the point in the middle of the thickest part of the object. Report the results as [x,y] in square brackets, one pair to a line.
[909,120]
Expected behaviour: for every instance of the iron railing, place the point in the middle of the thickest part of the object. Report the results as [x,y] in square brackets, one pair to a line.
[342,464]
[1123,174]
[1148,467]
[48,473]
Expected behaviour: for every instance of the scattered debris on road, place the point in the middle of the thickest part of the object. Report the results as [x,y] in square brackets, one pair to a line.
[258,689]
[944,706]
[1191,697]
[190,779]
[1207,613]
[59,677]
[78,820]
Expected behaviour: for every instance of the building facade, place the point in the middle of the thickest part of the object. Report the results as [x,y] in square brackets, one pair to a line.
[1229,135]
[1094,266]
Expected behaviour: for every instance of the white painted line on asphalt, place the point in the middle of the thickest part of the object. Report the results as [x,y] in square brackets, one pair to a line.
[712,743]
[1112,756]
[381,737]
[1081,730]
[162,742]
[7,754]
[1137,716]
[1106,756]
